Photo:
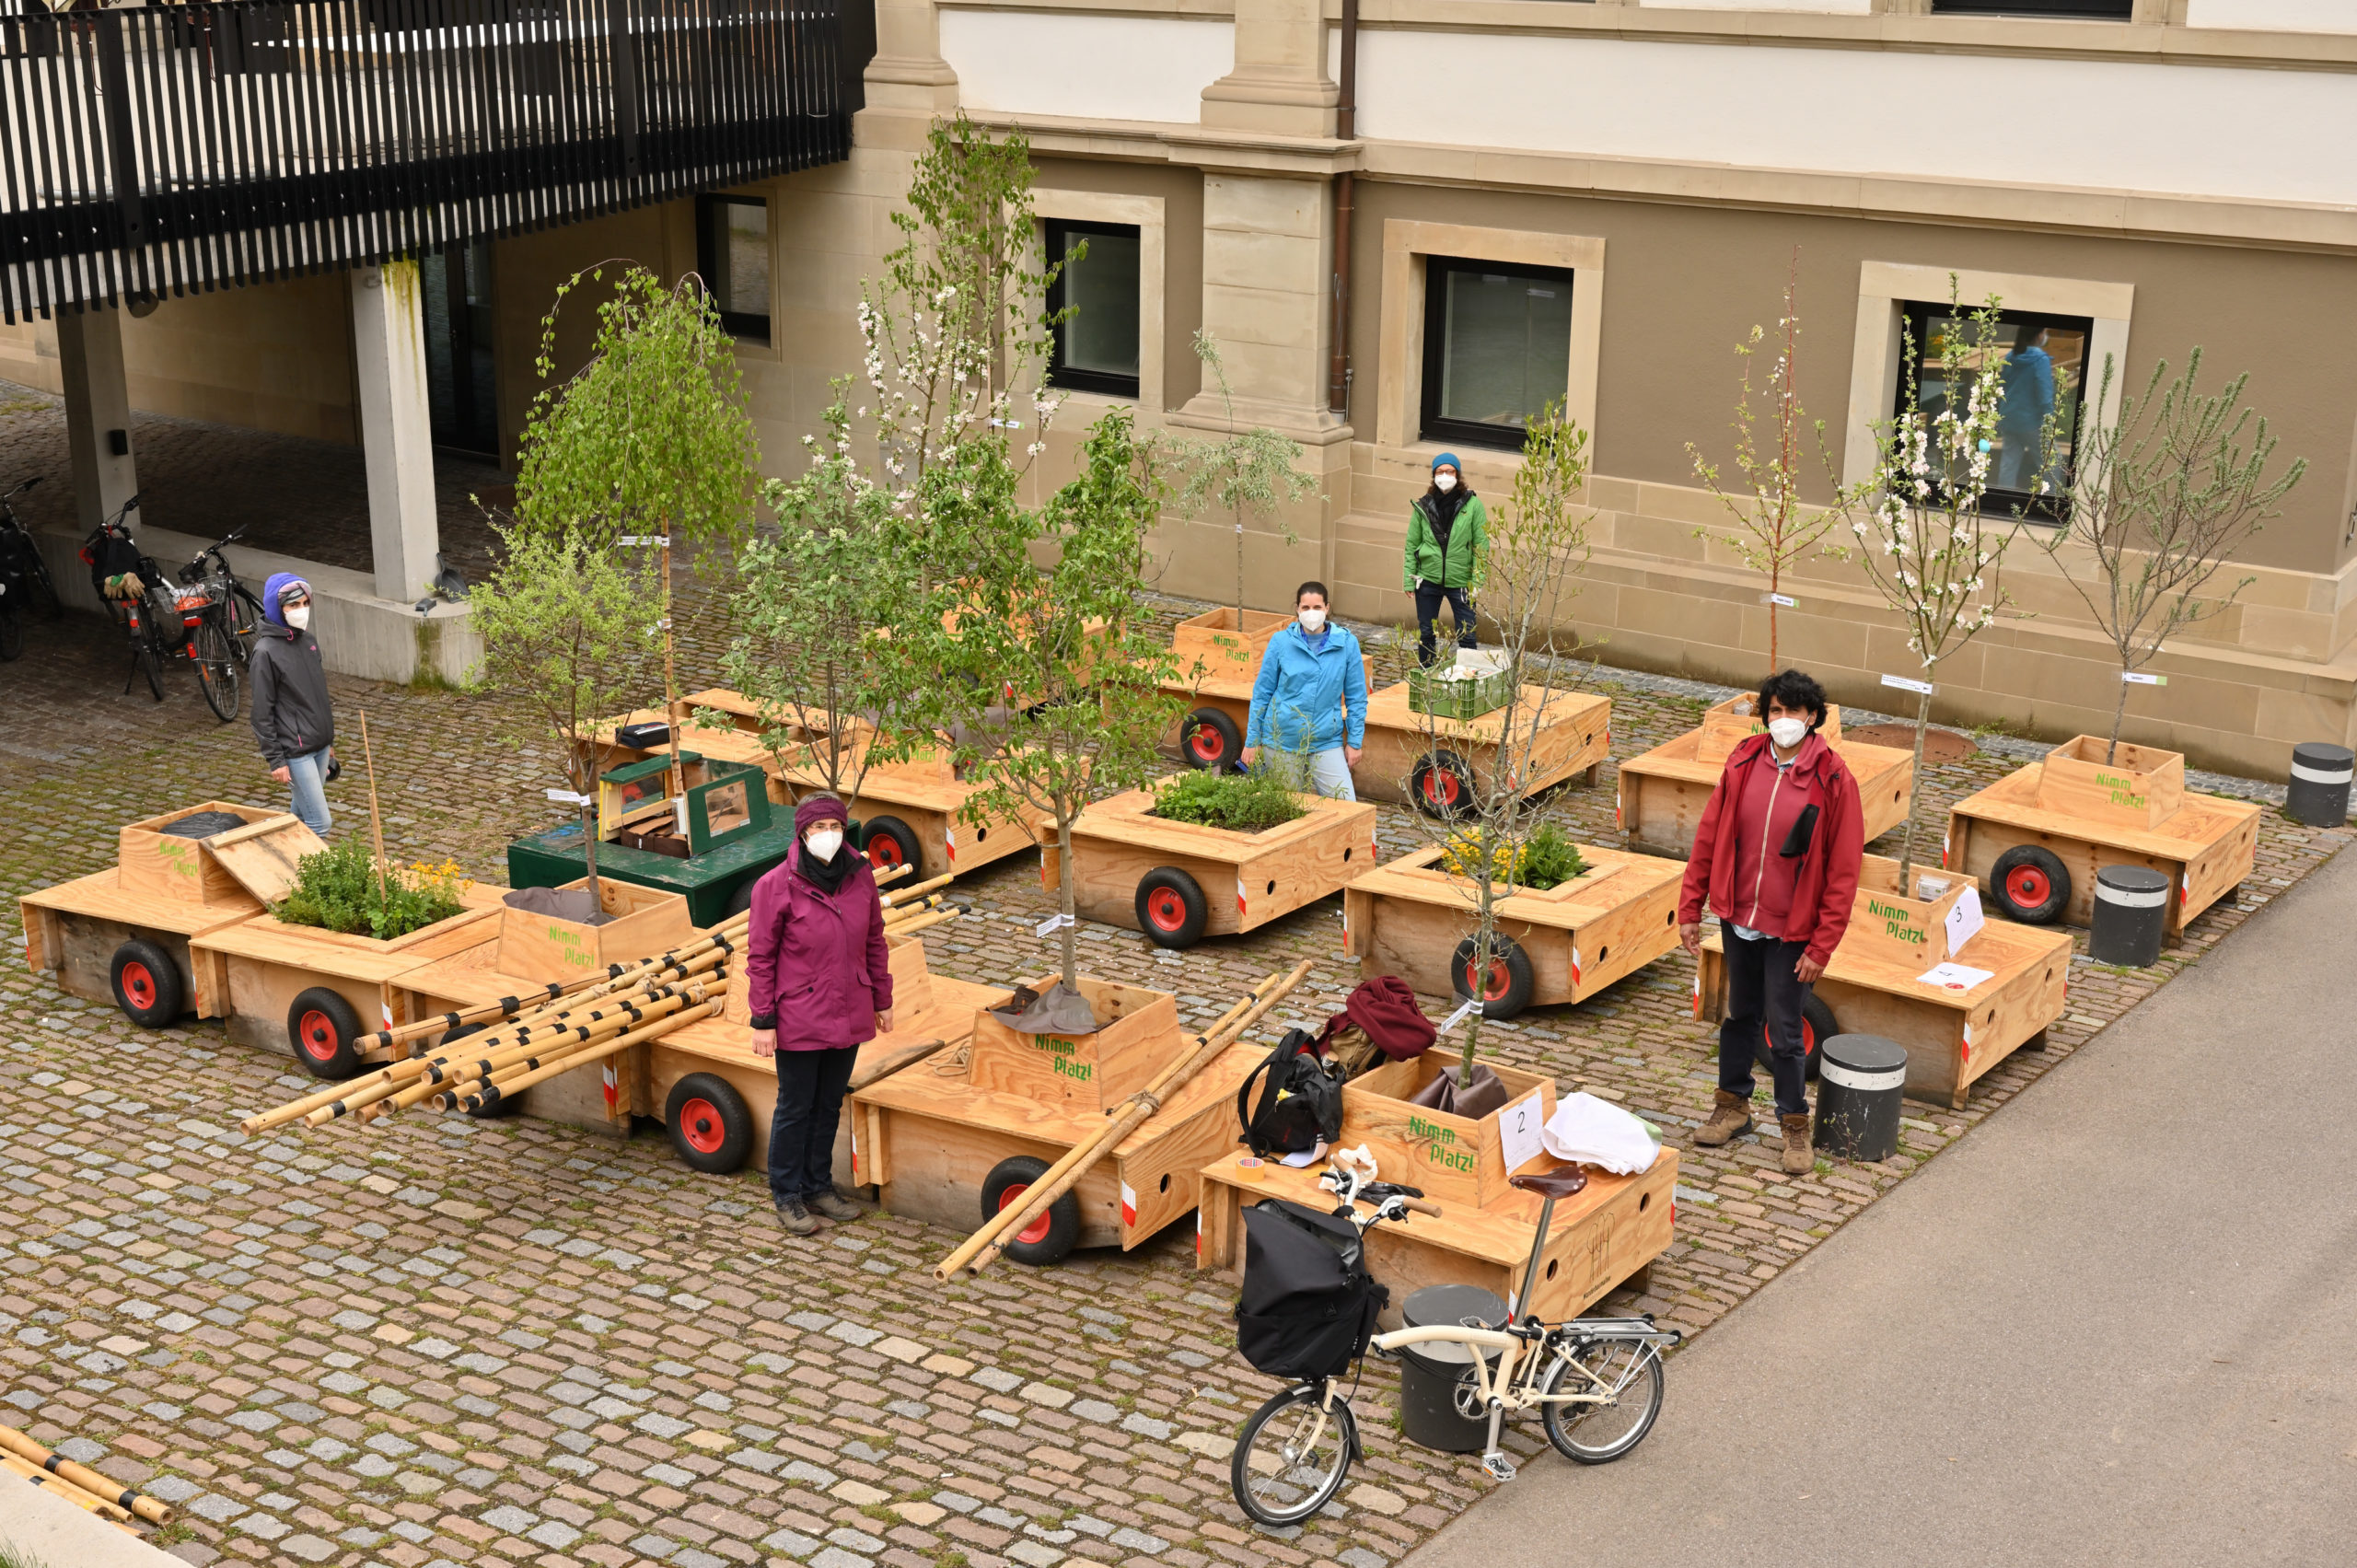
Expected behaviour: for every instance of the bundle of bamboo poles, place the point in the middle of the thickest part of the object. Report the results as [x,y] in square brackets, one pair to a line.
[982,1248]
[77,1484]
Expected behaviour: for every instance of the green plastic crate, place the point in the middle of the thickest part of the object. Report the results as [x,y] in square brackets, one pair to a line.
[1485,693]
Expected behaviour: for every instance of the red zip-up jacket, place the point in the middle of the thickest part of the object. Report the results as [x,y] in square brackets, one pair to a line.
[1822,878]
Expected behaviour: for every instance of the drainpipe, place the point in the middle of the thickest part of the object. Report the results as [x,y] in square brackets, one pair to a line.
[1337,389]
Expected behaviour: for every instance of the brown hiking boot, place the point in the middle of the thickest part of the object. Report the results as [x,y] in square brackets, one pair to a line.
[796,1219]
[833,1205]
[1799,1157]
[1730,1119]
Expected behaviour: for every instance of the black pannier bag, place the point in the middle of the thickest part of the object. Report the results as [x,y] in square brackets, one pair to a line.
[1308,1304]
[1300,1102]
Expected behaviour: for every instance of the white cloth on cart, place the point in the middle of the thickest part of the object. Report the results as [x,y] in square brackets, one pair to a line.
[1597,1133]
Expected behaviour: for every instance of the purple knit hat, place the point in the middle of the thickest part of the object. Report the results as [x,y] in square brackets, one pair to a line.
[819,809]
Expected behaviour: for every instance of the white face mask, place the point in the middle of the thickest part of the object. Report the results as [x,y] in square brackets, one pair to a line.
[1313,621]
[1444,482]
[823,842]
[297,615]
[1787,733]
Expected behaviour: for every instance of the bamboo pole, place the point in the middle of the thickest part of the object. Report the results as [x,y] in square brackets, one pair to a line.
[911,927]
[637,1037]
[980,1249]
[124,1499]
[898,896]
[605,1024]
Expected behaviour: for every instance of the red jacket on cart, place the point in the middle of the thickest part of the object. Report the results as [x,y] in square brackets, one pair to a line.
[1778,851]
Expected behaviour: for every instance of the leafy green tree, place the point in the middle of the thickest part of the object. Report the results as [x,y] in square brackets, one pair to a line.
[1057,673]
[564,631]
[648,440]
[1244,473]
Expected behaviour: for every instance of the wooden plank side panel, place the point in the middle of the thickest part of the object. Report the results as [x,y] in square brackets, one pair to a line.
[2028,998]
[1642,927]
[265,857]
[1452,1157]
[1886,778]
[2140,786]
[1080,1074]
[1987,838]
[1163,1176]
[2231,854]
[933,1170]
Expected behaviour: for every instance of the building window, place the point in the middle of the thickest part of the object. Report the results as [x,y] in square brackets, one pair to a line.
[2041,370]
[1497,349]
[733,253]
[2099,10]
[1095,347]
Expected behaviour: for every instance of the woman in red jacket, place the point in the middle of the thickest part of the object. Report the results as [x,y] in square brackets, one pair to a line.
[1777,856]
[821,987]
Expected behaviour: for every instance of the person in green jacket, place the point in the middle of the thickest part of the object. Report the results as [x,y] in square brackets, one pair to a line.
[1448,537]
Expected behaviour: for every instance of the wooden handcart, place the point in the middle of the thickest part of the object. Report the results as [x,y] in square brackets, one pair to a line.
[1873,985]
[1604,1237]
[953,1139]
[1663,790]
[1440,764]
[1180,882]
[1412,918]
[2036,838]
[121,934]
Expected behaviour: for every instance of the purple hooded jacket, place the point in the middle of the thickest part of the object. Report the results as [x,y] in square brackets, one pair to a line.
[820,966]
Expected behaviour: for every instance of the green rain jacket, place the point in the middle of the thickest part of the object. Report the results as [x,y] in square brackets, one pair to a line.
[1469,542]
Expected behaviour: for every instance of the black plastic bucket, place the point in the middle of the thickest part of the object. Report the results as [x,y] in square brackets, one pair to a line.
[1429,1374]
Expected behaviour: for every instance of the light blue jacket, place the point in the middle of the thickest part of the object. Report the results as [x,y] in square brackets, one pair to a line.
[1304,693]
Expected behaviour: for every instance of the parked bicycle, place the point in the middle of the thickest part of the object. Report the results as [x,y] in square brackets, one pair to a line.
[218,612]
[25,585]
[1597,1382]
[164,619]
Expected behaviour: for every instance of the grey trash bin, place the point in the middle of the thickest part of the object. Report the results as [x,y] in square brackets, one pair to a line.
[2318,791]
[1858,1091]
[1429,1374]
[2131,916]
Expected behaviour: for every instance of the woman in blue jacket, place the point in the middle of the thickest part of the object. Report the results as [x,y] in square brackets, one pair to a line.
[1310,701]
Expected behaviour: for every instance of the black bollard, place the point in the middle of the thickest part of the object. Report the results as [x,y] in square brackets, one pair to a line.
[1858,1090]
[2318,792]
[2131,916]
[1428,1375]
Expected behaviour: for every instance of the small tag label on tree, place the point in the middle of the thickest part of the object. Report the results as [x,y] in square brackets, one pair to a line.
[651,540]
[1904,684]
[568,797]
[1787,600]
[1054,923]
[2137,678]
[1456,1018]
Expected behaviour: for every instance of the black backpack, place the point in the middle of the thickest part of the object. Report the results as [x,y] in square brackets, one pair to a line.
[1308,1305]
[1300,1100]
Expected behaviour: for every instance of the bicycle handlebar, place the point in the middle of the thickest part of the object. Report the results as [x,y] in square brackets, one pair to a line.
[1418,1206]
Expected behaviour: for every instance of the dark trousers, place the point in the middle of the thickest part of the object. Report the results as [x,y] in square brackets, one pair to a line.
[810,1085]
[1762,987]
[1428,602]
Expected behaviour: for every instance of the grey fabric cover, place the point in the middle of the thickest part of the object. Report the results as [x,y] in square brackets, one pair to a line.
[1482,1093]
[564,903]
[1059,1010]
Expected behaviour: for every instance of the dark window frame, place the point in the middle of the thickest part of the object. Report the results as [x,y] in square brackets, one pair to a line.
[1065,378]
[1432,425]
[2077,10]
[738,324]
[1916,316]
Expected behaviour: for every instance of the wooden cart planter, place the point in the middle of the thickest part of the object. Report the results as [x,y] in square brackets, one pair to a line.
[2037,837]
[1604,1237]
[949,1141]
[1412,919]
[1211,732]
[121,934]
[1873,985]
[312,993]
[1180,882]
[1438,764]
[1663,790]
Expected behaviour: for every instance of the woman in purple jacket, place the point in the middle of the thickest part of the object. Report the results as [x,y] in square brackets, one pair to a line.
[821,987]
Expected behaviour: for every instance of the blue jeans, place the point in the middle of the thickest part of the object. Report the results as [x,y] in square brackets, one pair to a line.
[308,776]
[810,1087]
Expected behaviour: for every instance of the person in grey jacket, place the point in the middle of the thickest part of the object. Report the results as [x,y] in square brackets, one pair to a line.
[291,714]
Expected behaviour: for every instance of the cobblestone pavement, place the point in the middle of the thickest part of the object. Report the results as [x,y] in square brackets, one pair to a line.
[439,1342]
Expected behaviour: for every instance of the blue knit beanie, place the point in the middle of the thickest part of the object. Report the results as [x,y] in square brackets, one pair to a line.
[1449,458]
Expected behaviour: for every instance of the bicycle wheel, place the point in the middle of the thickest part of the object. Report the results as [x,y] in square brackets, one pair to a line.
[217,672]
[12,633]
[241,606]
[1293,1455]
[151,667]
[1630,1370]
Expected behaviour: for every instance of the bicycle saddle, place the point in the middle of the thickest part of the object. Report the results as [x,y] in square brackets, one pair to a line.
[1558,1183]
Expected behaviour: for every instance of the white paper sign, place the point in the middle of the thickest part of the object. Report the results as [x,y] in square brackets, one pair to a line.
[1787,600]
[1519,1126]
[1456,1018]
[1053,924]
[1953,977]
[1904,684]
[1964,920]
[2137,678]
[566,797]
[633,540]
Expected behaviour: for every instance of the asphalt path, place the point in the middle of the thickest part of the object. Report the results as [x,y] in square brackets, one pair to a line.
[2116,1324]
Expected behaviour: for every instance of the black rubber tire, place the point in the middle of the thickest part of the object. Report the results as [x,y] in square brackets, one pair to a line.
[1514,997]
[1170,908]
[152,668]
[2021,875]
[322,1026]
[742,898]
[1313,1497]
[1817,1026]
[1062,1222]
[1210,740]
[1442,785]
[217,671]
[887,842]
[711,1128]
[1646,1388]
[12,632]
[498,1109]
[146,983]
